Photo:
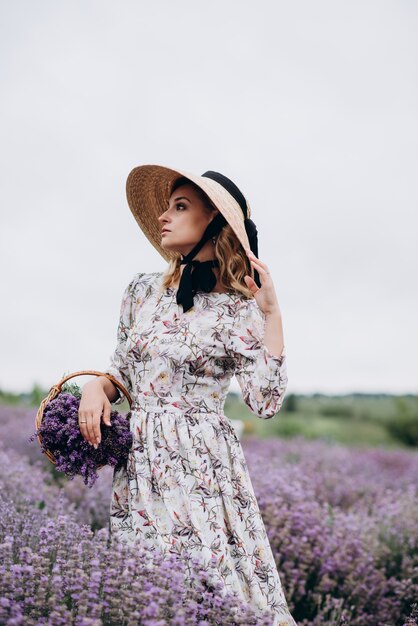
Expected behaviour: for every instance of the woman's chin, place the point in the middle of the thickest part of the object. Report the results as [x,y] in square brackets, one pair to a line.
[167,246]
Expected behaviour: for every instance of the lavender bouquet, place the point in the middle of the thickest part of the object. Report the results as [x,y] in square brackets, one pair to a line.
[60,434]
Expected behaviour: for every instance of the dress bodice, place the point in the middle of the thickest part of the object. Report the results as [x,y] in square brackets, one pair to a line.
[178,360]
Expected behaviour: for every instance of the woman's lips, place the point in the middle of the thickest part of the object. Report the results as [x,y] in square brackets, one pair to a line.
[165,231]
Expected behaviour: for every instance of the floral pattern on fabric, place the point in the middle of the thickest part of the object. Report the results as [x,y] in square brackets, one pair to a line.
[186,488]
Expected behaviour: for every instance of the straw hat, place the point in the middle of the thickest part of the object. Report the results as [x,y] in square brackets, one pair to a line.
[148,189]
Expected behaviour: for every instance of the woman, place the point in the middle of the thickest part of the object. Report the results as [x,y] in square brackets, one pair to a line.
[182,335]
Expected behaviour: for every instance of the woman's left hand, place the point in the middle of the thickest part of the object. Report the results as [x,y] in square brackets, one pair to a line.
[265,295]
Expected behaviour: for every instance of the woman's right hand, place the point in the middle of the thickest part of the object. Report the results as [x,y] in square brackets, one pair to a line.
[94,404]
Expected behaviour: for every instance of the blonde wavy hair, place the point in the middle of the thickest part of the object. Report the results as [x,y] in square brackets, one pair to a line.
[233,261]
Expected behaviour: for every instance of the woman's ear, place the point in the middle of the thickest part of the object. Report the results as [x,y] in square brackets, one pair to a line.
[213,214]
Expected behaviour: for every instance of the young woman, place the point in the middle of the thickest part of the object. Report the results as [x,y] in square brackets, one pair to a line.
[183,334]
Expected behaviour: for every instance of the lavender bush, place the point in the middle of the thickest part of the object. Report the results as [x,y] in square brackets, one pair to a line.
[29,487]
[343,525]
[60,434]
[55,571]
[16,425]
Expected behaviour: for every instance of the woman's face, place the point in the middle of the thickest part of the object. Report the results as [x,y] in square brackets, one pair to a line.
[185,220]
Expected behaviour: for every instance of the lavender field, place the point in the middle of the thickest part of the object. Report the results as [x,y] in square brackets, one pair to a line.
[343,525]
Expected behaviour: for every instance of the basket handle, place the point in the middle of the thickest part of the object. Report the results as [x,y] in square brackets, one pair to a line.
[57,388]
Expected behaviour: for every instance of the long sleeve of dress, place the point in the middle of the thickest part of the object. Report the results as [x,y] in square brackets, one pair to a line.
[261,375]
[118,363]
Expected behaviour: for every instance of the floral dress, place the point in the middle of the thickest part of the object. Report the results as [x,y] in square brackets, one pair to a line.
[185,487]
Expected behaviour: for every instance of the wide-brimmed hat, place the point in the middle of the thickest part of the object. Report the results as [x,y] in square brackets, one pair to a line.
[148,189]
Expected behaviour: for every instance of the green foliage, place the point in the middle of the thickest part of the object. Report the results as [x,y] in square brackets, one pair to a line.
[289,427]
[337,410]
[10,398]
[290,403]
[30,398]
[405,427]
[37,395]
[72,388]
[356,419]
[348,431]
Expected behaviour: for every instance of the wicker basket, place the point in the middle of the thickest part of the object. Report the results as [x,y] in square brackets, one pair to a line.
[56,390]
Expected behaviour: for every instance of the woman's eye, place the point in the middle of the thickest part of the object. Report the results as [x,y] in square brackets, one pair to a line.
[179,204]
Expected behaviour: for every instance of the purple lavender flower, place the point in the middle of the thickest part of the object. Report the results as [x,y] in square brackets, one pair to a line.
[342,522]
[60,434]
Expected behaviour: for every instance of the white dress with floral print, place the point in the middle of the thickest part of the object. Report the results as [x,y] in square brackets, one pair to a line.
[185,487]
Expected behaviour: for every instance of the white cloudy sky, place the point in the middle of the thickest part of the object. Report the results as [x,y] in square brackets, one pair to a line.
[310,107]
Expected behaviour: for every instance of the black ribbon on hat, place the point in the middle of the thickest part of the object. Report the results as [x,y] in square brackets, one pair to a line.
[198,275]
[250,227]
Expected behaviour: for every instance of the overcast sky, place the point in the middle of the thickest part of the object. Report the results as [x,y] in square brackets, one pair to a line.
[311,108]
